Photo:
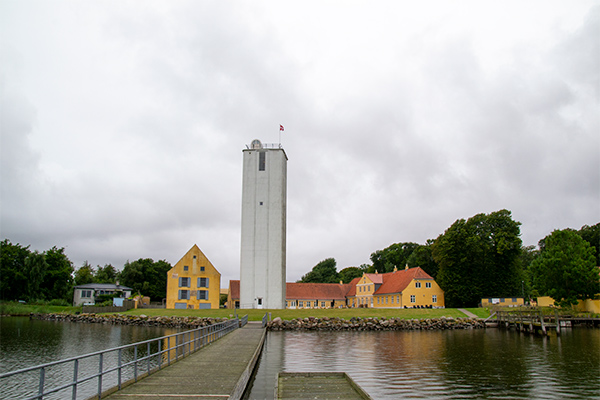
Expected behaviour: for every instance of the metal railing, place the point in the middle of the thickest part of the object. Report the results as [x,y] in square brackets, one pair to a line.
[112,368]
[244,321]
[265,319]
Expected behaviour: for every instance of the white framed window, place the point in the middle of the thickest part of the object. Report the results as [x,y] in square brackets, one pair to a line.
[428,284]
[413,298]
[86,293]
[323,304]
[417,284]
[300,304]
[434,298]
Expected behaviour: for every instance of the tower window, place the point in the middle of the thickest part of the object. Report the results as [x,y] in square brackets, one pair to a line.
[261,160]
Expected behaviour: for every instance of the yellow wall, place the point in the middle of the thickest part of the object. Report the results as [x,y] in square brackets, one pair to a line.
[194,271]
[587,305]
[423,296]
[502,301]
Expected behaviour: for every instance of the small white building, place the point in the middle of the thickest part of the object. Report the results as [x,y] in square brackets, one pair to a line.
[263,255]
[87,294]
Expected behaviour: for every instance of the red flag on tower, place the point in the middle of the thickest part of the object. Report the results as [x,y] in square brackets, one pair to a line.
[281,127]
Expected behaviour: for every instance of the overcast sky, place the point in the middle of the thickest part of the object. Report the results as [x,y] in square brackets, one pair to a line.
[123,122]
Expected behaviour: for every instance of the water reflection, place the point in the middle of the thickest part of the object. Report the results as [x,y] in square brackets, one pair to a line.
[441,364]
[25,343]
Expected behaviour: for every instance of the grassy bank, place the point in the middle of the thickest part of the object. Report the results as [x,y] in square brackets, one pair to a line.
[346,313]
[11,308]
[16,309]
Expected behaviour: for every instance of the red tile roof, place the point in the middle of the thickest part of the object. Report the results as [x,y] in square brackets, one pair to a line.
[234,288]
[352,287]
[391,282]
[376,278]
[396,282]
[315,291]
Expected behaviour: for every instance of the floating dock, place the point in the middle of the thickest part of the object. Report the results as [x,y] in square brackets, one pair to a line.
[318,385]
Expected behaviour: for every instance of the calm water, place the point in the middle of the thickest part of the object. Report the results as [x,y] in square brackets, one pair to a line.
[469,364]
[465,364]
[26,343]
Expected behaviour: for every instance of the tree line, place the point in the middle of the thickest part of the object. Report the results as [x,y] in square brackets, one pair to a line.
[50,276]
[483,256]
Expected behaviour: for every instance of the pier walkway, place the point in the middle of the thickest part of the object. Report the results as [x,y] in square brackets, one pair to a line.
[218,371]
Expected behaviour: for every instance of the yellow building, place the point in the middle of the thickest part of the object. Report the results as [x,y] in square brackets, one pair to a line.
[409,288]
[502,301]
[193,283]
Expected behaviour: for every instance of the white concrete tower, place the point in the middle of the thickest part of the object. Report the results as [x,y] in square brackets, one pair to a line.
[264,192]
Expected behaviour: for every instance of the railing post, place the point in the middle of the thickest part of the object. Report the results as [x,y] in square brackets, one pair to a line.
[120,361]
[100,375]
[41,387]
[135,363]
[160,354]
[148,357]
[75,368]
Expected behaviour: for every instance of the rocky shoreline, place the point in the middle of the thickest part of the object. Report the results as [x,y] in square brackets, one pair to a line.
[277,324]
[374,324]
[138,320]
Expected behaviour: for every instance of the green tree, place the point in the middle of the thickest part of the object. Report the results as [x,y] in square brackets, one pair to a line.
[422,257]
[323,272]
[106,274]
[85,274]
[566,268]
[146,277]
[392,256]
[591,234]
[347,274]
[479,258]
[58,281]
[13,276]
[35,269]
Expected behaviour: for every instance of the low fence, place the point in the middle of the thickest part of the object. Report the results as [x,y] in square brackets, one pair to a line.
[106,369]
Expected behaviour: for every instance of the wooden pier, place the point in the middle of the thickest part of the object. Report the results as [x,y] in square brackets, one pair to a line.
[220,370]
[318,385]
[534,321]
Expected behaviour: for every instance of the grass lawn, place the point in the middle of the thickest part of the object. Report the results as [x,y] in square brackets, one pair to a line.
[344,313]
[11,308]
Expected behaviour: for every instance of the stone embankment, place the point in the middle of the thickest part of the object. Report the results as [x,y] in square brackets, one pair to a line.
[374,324]
[139,320]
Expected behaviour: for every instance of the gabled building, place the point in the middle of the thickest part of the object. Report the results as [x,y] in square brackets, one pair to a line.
[409,288]
[193,283]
